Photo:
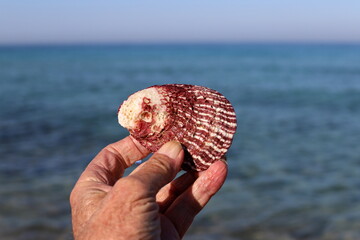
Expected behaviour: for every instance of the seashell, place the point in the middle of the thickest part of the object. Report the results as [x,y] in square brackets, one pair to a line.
[201,119]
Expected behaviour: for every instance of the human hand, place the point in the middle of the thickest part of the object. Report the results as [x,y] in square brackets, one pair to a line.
[147,204]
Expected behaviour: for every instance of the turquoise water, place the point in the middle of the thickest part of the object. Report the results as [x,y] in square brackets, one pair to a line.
[294,164]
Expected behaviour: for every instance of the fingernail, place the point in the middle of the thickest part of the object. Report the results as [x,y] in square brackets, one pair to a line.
[223,159]
[171,149]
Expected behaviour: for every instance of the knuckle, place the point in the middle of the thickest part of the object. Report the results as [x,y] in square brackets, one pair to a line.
[145,204]
[110,149]
[73,197]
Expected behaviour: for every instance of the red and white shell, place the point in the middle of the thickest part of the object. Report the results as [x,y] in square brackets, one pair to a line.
[201,119]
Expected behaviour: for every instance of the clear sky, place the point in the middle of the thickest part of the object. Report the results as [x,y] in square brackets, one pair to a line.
[88,21]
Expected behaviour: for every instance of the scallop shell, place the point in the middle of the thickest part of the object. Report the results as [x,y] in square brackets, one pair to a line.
[201,119]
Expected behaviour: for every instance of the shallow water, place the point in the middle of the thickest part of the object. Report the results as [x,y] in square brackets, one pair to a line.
[294,164]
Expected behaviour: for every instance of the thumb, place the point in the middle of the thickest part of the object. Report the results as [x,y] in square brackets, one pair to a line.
[161,168]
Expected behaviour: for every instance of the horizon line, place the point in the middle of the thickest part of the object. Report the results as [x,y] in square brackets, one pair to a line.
[143,43]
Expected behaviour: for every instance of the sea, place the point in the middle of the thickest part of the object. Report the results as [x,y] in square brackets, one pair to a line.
[294,165]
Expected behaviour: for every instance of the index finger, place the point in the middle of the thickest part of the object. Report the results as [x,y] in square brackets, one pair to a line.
[109,165]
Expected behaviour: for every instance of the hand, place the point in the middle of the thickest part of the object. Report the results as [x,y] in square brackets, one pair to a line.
[147,204]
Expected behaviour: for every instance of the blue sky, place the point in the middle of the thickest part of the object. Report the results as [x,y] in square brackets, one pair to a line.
[87,21]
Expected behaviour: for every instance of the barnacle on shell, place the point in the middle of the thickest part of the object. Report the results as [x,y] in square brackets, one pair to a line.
[201,119]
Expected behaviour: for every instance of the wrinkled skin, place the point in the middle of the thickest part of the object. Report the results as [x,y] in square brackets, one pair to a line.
[147,204]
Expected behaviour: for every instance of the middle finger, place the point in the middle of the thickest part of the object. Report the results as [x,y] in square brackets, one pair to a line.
[172,190]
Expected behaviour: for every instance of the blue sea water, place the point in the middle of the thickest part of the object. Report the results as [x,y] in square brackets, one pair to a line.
[294,163]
